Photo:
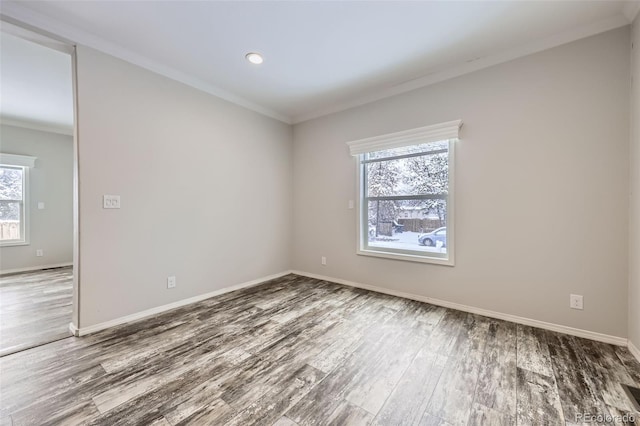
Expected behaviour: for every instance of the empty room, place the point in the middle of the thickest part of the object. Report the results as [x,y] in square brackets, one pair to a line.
[319,212]
[36,184]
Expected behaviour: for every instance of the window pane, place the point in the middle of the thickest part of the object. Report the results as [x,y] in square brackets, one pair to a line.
[418,225]
[10,215]
[10,183]
[426,174]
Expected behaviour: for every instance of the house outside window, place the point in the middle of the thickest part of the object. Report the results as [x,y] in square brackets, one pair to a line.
[406,189]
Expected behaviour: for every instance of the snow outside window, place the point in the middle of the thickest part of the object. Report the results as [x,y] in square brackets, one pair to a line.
[12,204]
[406,187]
[14,191]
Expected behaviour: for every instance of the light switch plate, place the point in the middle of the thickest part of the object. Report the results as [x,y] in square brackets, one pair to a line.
[111,202]
[40,205]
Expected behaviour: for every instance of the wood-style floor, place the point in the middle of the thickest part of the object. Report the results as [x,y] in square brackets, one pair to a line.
[35,308]
[302,351]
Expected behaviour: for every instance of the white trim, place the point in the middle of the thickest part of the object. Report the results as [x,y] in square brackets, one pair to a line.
[631,10]
[17,160]
[448,72]
[73,329]
[26,163]
[59,129]
[35,37]
[22,14]
[634,350]
[83,331]
[14,243]
[394,139]
[34,268]
[425,258]
[614,340]
[426,134]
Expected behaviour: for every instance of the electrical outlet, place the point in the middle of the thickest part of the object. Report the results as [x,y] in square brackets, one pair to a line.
[40,205]
[323,260]
[351,204]
[171,282]
[110,201]
[39,252]
[576,301]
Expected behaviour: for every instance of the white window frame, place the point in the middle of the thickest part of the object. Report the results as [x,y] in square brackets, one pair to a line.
[25,163]
[448,131]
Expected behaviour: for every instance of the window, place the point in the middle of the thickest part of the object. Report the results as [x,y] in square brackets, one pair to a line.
[406,194]
[14,171]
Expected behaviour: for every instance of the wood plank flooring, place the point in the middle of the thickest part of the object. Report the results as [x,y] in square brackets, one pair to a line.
[35,308]
[299,351]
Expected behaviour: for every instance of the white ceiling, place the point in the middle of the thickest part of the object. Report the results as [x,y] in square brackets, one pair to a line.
[35,85]
[320,56]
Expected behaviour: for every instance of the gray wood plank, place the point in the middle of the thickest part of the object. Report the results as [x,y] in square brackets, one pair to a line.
[483,415]
[299,351]
[35,308]
[407,403]
[629,362]
[496,386]
[284,421]
[270,406]
[349,414]
[577,387]
[538,401]
[533,352]
[429,420]
[453,397]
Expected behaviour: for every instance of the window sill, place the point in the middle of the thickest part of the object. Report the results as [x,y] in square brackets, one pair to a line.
[408,257]
[14,243]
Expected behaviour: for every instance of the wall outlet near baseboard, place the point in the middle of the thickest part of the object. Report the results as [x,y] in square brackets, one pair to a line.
[576,301]
[39,252]
[323,260]
[171,282]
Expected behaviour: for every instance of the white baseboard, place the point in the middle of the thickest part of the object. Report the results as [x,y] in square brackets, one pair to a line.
[634,350]
[614,340]
[83,331]
[73,329]
[34,268]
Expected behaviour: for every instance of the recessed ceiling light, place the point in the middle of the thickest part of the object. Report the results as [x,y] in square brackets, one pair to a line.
[254,58]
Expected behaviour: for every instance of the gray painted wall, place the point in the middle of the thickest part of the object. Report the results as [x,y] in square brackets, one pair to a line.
[634,233]
[205,186]
[542,180]
[51,182]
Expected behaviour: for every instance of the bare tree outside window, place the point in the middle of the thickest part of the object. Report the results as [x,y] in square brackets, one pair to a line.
[405,193]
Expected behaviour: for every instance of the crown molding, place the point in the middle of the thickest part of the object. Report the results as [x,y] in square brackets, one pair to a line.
[451,71]
[631,10]
[36,37]
[37,125]
[21,15]
[17,13]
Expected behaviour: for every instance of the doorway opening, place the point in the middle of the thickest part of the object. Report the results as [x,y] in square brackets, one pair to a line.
[38,189]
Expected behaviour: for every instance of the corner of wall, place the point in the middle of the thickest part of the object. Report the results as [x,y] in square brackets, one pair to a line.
[633,325]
